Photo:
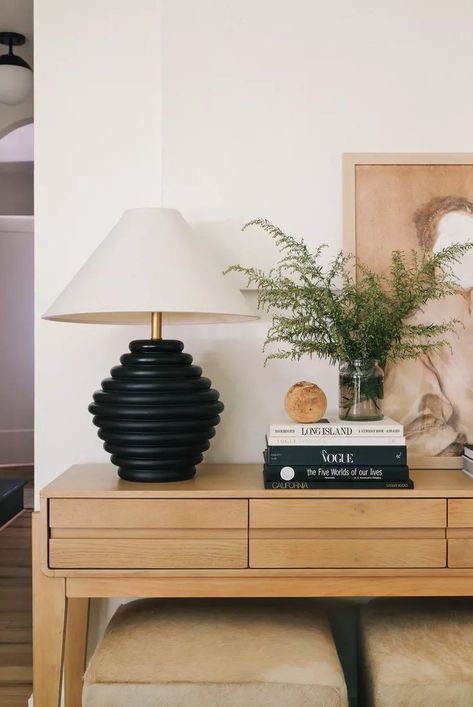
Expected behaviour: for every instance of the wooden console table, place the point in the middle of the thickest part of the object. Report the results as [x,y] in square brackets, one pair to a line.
[223,535]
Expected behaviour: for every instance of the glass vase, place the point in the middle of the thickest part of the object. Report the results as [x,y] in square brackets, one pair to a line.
[361,390]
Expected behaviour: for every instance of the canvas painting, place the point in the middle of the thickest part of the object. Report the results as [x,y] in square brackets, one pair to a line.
[423,202]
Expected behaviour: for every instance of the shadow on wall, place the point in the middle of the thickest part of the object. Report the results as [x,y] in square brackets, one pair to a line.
[231,245]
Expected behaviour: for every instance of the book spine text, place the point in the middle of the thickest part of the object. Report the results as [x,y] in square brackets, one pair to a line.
[322,474]
[299,485]
[336,456]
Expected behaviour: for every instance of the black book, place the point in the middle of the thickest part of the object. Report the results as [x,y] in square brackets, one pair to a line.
[351,485]
[325,474]
[327,455]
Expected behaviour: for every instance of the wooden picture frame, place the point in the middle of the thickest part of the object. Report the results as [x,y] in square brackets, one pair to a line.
[424,181]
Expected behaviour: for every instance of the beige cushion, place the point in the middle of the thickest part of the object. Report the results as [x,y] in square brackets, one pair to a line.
[418,653]
[219,653]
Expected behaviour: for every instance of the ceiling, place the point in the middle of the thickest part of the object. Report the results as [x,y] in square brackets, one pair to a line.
[17,16]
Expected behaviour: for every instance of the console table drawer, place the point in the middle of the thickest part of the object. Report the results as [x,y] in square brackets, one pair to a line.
[348,513]
[148,533]
[347,533]
[147,513]
[460,533]
[148,553]
[460,552]
[348,553]
[460,513]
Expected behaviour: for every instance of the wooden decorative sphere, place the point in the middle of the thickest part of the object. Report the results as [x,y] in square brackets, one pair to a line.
[305,402]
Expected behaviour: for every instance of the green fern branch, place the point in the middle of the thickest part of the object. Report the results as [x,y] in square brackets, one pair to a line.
[322,310]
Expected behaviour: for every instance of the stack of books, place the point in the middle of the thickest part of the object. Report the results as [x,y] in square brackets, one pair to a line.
[468,459]
[333,453]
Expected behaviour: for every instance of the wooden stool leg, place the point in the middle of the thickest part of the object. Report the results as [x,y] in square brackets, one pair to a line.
[49,614]
[75,650]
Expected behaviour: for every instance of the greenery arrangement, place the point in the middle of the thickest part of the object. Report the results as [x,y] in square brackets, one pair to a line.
[326,311]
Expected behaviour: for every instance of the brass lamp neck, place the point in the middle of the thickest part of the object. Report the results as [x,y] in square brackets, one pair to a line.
[156,325]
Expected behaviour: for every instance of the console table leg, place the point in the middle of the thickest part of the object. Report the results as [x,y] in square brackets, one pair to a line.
[49,613]
[75,650]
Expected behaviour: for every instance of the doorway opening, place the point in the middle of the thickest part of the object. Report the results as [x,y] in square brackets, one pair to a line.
[16,411]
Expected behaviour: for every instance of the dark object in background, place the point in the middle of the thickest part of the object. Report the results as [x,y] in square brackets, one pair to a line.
[11,498]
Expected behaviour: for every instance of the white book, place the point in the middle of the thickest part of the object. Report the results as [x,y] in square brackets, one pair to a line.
[377,441]
[468,465]
[335,427]
[468,451]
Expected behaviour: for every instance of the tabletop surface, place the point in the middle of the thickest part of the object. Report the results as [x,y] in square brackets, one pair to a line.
[240,481]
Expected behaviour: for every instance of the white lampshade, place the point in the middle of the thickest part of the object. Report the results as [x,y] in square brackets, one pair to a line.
[16,83]
[151,261]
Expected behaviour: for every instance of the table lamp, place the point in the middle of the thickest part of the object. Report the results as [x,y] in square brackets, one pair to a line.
[156,413]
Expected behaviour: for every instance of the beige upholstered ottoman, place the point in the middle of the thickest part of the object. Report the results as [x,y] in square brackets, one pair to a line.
[219,653]
[418,653]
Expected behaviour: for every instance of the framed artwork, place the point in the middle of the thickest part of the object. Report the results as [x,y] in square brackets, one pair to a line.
[425,202]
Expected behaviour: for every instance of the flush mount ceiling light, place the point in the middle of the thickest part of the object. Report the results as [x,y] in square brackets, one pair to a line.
[16,76]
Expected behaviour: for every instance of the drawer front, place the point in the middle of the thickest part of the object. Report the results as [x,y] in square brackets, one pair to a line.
[147,553]
[148,534]
[347,553]
[147,513]
[347,533]
[460,513]
[460,552]
[348,513]
[460,533]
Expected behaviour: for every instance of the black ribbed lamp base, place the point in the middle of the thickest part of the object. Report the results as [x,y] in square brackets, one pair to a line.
[156,414]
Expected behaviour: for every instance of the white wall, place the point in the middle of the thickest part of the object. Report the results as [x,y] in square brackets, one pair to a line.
[97,152]
[260,98]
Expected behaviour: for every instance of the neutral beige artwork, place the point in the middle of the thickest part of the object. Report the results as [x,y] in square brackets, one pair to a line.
[394,204]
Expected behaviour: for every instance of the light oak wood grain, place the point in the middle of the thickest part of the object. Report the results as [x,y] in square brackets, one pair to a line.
[249,573]
[460,553]
[75,650]
[347,553]
[239,481]
[459,533]
[343,513]
[146,553]
[139,533]
[175,553]
[49,610]
[345,533]
[460,513]
[326,585]
[147,513]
